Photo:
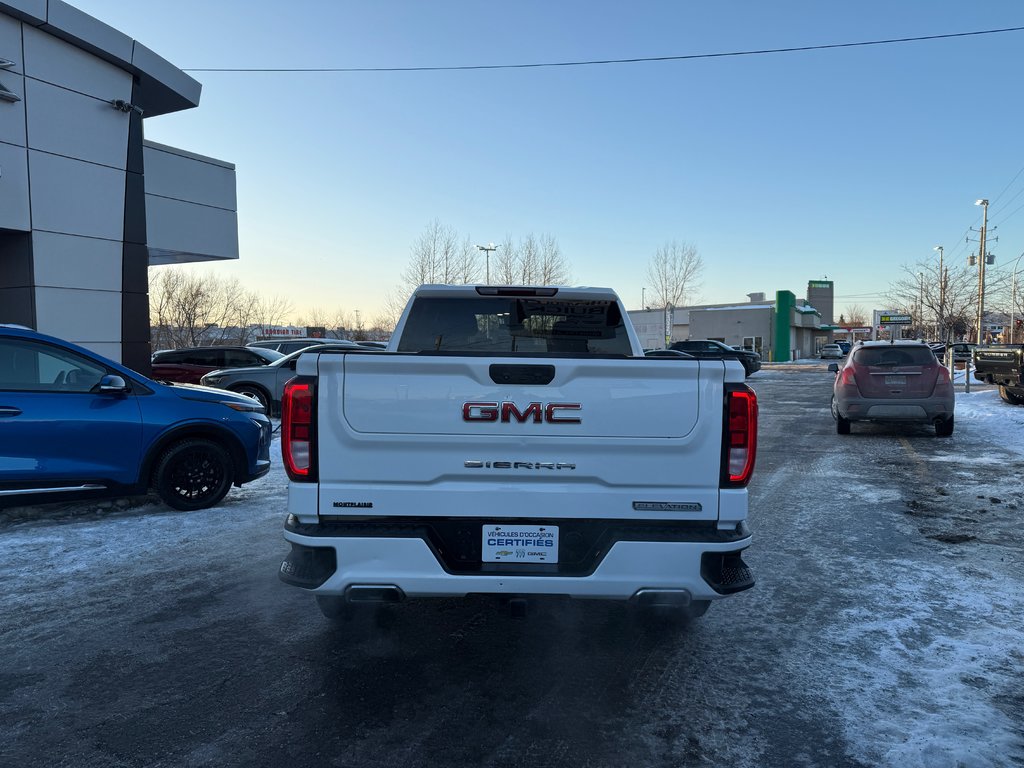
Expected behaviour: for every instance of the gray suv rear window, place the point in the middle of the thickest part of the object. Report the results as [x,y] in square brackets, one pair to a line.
[892,356]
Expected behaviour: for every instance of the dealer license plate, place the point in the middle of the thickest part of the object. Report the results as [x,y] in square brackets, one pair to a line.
[895,381]
[520,543]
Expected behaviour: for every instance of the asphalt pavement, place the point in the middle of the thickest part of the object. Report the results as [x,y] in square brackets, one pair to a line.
[884,630]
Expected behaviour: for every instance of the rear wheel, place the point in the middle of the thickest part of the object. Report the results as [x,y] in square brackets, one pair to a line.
[944,427]
[193,474]
[842,425]
[1010,397]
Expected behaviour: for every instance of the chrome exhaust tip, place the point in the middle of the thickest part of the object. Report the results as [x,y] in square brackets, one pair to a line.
[676,598]
[374,593]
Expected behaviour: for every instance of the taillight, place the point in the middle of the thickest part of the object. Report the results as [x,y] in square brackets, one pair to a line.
[944,381]
[297,430]
[739,437]
[847,377]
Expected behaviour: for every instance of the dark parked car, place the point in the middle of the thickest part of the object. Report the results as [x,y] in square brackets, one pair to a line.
[706,349]
[898,381]
[189,365]
[76,425]
[288,345]
[266,383]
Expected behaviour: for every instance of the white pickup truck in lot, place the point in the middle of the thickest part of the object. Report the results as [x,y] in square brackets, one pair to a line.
[517,442]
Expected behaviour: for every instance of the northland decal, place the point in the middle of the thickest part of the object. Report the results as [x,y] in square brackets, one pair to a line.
[6,95]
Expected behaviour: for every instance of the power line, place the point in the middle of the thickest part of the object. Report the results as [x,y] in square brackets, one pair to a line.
[594,62]
[996,198]
[1006,205]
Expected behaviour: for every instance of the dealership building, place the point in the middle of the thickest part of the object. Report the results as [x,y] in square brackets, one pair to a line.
[786,328]
[86,204]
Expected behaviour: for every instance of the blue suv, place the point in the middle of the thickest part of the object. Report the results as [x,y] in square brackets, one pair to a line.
[75,425]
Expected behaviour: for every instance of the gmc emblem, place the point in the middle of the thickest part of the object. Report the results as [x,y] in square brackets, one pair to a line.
[508,411]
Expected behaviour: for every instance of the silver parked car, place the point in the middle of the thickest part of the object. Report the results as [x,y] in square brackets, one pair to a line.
[266,383]
[832,351]
[897,381]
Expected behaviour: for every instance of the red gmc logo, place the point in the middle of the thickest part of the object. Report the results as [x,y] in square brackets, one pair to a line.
[506,412]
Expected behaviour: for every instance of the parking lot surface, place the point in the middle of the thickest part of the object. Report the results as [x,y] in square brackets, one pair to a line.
[884,630]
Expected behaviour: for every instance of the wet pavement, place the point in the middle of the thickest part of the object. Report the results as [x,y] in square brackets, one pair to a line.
[884,630]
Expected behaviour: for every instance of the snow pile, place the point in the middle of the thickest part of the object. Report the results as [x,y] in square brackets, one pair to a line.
[984,411]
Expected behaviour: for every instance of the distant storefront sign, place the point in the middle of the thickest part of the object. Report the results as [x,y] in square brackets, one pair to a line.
[894,320]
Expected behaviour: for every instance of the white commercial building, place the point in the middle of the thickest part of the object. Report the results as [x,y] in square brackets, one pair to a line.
[86,205]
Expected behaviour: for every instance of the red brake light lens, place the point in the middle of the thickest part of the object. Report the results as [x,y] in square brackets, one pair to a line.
[297,430]
[847,377]
[739,441]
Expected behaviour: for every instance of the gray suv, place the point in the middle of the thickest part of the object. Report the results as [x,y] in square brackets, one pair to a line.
[892,382]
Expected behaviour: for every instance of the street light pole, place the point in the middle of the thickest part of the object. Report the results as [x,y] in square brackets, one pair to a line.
[488,249]
[982,258]
[942,298]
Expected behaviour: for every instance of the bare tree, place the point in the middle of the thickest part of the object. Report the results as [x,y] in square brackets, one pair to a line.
[189,308]
[504,263]
[554,267]
[465,268]
[335,323]
[942,306]
[673,274]
[534,260]
[855,315]
[438,257]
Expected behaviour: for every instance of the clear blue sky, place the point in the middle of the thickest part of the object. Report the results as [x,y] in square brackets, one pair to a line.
[780,169]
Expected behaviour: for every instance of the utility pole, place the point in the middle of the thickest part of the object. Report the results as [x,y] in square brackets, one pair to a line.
[488,249]
[982,258]
[939,330]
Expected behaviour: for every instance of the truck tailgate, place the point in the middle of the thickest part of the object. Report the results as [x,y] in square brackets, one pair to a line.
[646,436]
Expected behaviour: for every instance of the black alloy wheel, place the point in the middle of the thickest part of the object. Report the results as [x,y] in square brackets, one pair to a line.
[193,474]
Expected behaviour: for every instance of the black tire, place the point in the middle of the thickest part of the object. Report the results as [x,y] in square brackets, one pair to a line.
[842,425]
[256,393]
[195,473]
[944,427]
[1010,397]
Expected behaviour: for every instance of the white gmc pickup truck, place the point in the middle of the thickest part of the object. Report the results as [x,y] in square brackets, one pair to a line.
[515,441]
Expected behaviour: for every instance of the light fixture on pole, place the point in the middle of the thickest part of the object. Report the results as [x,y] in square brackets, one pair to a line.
[488,249]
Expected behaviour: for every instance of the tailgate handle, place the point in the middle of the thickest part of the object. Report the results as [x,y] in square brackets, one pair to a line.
[522,374]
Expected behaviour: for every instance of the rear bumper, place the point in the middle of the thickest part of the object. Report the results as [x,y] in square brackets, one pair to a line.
[886,409]
[329,560]
[1005,377]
